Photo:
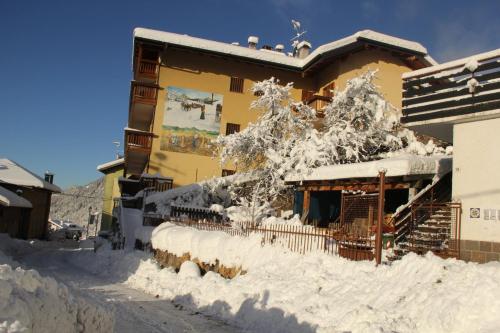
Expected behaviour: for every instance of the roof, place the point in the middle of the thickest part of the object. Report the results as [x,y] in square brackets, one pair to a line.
[281,58]
[13,173]
[404,165]
[11,199]
[110,164]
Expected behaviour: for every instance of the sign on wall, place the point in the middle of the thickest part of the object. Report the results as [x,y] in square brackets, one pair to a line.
[191,120]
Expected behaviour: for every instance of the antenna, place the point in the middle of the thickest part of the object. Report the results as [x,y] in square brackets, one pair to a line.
[118,144]
[299,32]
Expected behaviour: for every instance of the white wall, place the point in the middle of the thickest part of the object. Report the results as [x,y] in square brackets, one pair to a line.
[476,176]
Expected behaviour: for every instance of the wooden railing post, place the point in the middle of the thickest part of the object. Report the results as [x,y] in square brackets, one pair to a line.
[378,238]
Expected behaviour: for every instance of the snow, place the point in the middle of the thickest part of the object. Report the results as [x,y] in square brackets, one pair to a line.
[204,44]
[404,165]
[13,173]
[32,303]
[472,84]
[471,65]
[11,199]
[131,221]
[287,292]
[110,164]
[273,220]
[189,269]
[452,64]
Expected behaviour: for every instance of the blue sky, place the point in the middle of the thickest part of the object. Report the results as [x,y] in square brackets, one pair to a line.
[65,65]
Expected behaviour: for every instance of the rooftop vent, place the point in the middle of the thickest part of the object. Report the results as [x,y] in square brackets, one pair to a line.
[279,47]
[253,41]
[235,43]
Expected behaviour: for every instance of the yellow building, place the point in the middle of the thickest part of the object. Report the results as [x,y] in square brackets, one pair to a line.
[112,171]
[186,91]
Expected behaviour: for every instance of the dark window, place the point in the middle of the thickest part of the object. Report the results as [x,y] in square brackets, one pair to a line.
[328,90]
[307,95]
[258,93]
[227,172]
[232,128]
[236,85]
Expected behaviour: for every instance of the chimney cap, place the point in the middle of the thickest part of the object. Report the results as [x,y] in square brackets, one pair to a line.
[279,47]
[304,43]
[253,39]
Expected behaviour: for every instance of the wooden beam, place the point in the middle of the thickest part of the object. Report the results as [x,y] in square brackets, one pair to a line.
[353,187]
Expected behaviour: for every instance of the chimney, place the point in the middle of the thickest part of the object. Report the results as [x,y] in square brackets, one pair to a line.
[303,49]
[267,47]
[279,47]
[252,42]
[49,177]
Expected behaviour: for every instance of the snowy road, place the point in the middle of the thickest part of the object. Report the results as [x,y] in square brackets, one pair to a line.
[134,311]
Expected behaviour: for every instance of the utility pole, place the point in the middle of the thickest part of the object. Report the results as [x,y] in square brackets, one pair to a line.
[380,217]
[88,221]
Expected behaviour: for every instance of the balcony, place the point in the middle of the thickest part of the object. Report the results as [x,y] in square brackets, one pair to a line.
[437,97]
[137,150]
[318,102]
[147,70]
[143,99]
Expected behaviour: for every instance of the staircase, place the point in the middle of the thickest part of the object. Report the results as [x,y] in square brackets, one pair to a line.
[434,231]
[430,222]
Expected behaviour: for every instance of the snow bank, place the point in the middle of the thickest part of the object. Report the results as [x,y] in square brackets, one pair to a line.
[32,303]
[320,293]
[206,246]
[273,220]
[288,292]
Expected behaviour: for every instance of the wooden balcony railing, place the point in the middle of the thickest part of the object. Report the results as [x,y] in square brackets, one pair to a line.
[144,94]
[139,141]
[318,102]
[456,88]
[148,69]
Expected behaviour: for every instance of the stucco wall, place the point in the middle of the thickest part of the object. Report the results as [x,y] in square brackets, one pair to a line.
[476,177]
[111,190]
[210,74]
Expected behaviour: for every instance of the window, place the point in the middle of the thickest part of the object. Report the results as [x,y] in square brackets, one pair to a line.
[328,90]
[227,172]
[232,128]
[307,95]
[236,84]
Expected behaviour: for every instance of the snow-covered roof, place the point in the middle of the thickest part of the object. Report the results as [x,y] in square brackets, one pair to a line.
[11,199]
[110,164]
[13,173]
[404,165]
[278,58]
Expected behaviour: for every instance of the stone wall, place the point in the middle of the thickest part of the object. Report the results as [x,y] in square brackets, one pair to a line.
[479,251]
[166,259]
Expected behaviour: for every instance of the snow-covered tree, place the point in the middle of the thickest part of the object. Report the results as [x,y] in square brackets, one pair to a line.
[265,146]
[359,125]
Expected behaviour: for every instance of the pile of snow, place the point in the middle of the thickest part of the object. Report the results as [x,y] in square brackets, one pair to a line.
[198,195]
[206,246]
[189,269]
[273,220]
[288,292]
[32,303]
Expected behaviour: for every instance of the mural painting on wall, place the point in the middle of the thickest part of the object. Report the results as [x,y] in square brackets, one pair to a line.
[191,121]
